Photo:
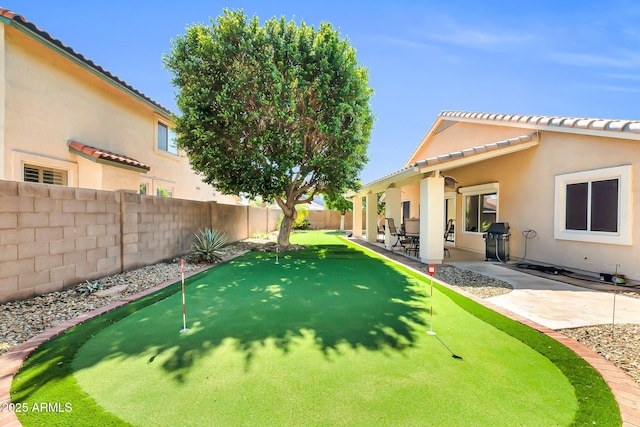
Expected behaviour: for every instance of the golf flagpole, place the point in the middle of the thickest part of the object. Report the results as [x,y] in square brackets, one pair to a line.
[431,269]
[184,305]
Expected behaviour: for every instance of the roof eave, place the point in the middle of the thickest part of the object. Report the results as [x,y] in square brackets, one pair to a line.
[425,138]
[418,170]
[395,179]
[464,161]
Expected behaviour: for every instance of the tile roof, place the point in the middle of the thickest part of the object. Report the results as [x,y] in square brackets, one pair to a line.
[104,156]
[561,123]
[30,27]
[511,142]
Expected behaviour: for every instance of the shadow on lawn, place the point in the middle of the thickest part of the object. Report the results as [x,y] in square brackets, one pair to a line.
[338,295]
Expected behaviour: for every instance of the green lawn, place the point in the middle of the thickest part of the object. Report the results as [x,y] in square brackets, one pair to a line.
[329,336]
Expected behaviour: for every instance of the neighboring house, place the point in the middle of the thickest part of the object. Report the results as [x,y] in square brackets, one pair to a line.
[67,121]
[574,181]
[317,204]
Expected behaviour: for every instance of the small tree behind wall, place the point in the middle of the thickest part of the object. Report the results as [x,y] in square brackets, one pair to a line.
[278,110]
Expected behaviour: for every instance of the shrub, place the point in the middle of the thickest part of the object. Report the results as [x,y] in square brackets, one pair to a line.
[298,224]
[88,288]
[301,224]
[207,244]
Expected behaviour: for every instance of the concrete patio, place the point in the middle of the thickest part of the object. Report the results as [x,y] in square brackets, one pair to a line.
[546,301]
[555,304]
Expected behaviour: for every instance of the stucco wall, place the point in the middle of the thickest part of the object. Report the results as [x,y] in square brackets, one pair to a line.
[457,138]
[50,99]
[411,194]
[527,198]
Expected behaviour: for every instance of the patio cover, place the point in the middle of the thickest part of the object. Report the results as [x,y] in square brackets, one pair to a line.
[416,171]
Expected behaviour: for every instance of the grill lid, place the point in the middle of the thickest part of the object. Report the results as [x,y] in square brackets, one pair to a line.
[498,228]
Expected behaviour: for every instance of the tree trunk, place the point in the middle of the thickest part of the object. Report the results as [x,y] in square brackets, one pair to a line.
[285,231]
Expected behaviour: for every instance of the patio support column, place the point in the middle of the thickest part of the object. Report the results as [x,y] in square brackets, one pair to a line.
[432,220]
[393,210]
[372,217]
[357,216]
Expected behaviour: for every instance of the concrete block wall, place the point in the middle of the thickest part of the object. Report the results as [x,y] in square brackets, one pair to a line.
[54,237]
[256,220]
[321,220]
[330,220]
[273,216]
[165,228]
[230,219]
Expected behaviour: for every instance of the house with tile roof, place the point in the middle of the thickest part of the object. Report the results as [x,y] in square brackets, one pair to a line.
[68,121]
[570,182]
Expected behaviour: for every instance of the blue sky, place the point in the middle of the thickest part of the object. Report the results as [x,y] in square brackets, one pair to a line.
[578,59]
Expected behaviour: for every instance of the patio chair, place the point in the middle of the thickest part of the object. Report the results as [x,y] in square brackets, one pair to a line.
[381,235]
[449,231]
[448,236]
[412,233]
[398,234]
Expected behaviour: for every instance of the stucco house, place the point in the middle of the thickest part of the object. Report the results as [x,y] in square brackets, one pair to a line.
[68,121]
[573,181]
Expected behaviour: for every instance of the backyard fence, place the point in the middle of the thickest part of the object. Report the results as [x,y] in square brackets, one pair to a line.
[54,237]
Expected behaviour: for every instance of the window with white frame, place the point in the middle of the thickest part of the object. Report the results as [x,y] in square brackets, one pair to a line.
[480,207]
[594,206]
[43,175]
[167,139]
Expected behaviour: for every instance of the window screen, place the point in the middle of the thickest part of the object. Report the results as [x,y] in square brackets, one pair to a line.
[163,137]
[592,206]
[167,139]
[481,211]
[577,202]
[604,205]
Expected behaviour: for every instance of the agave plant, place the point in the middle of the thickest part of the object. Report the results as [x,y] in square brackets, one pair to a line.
[207,244]
[88,287]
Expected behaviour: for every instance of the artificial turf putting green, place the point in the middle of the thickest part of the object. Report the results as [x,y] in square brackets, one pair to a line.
[329,336]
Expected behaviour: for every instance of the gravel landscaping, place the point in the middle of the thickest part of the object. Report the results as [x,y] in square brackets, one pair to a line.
[620,344]
[474,283]
[21,320]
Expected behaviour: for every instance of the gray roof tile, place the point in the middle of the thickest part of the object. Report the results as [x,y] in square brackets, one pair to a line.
[594,124]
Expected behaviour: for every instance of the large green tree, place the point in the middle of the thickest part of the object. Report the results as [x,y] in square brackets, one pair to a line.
[277,110]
